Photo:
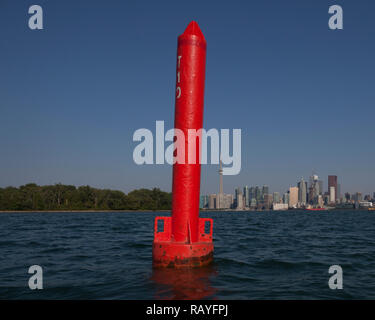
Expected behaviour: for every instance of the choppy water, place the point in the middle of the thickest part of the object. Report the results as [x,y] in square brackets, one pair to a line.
[258,255]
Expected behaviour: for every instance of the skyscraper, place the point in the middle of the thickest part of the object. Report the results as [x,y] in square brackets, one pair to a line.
[258,194]
[276,197]
[204,200]
[286,198]
[212,203]
[293,197]
[302,192]
[320,185]
[237,194]
[267,201]
[239,199]
[265,190]
[246,195]
[228,201]
[315,189]
[252,194]
[332,182]
[332,194]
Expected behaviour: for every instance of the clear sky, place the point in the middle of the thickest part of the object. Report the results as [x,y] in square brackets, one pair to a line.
[72,94]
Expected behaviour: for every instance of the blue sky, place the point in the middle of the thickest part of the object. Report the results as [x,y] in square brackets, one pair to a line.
[72,95]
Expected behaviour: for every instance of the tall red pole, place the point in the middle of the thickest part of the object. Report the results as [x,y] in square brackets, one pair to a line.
[191,65]
[184,240]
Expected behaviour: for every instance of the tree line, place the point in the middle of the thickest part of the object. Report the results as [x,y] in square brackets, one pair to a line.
[68,197]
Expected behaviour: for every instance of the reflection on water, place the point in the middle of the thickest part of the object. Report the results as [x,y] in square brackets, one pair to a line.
[184,283]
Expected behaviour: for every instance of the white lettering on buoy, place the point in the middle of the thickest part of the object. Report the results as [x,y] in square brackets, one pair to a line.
[178,89]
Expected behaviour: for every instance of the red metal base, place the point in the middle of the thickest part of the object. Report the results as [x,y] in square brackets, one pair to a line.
[175,255]
[168,253]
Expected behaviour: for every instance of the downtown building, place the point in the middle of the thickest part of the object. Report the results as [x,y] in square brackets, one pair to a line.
[293,197]
[333,183]
[315,191]
[302,193]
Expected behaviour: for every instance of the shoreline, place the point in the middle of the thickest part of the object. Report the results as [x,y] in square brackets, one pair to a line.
[77,211]
[162,210]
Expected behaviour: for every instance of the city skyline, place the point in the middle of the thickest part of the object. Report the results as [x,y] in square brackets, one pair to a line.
[304,194]
[324,181]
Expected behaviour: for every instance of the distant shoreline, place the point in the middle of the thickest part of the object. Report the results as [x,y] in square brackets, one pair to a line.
[163,210]
[76,211]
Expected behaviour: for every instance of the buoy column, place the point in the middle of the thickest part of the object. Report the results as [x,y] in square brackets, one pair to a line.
[185,239]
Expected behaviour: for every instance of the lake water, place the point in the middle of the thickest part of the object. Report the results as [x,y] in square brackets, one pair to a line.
[258,255]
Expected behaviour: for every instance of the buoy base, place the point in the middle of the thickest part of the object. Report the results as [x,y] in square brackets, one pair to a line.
[177,255]
[172,254]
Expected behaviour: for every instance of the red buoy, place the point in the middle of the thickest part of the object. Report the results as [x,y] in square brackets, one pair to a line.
[184,239]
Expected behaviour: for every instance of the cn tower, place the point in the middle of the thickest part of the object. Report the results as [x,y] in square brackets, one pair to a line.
[221,193]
